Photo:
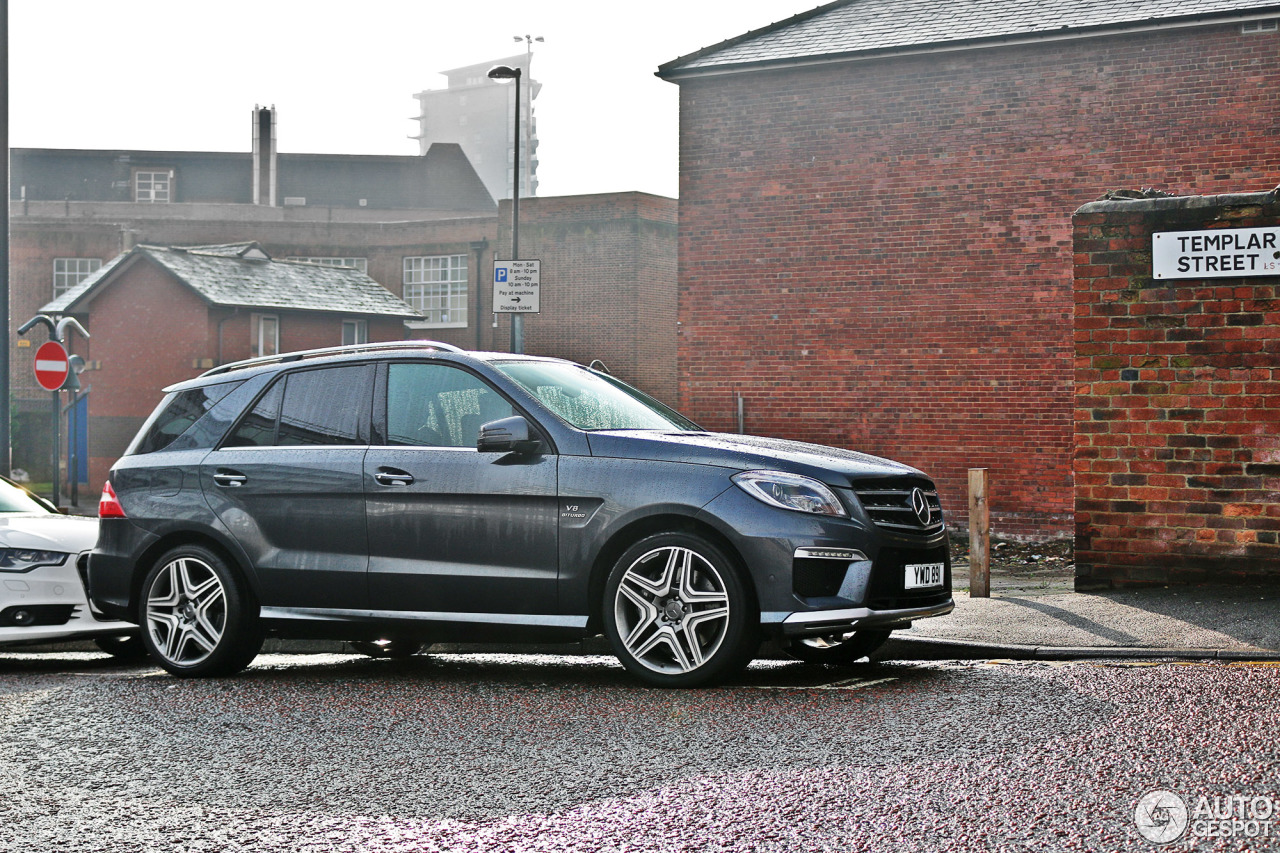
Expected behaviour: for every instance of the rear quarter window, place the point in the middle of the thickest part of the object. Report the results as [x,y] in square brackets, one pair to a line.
[177,413]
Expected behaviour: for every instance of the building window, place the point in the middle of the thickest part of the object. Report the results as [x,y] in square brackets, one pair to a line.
[68,272]
[437,288]
[361,264]
[264,334]
[152,186]
[355,332]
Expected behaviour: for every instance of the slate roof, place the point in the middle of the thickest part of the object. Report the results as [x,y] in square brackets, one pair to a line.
[849,28]
[234,276]
[442,179]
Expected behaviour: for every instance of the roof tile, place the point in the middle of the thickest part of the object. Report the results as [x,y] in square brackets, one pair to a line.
[861,26]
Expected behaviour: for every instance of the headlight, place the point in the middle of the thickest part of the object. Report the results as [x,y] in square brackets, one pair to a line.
[790,491]
[24,559]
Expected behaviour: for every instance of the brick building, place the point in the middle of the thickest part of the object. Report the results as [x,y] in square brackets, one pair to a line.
[1177,408]
[875,214]
[478,114]
[423,227]
[160,315]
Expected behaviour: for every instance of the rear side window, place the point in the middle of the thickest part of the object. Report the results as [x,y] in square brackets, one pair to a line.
[178,412]
[324,406]
[309,408]
[258,428]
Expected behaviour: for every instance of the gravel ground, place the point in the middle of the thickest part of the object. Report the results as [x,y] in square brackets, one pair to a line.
[497,753]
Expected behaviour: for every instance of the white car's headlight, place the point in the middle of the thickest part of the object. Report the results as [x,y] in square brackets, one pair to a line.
[790,491]
[25,559]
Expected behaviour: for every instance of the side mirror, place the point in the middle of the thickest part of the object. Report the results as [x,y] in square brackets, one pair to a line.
[509,435]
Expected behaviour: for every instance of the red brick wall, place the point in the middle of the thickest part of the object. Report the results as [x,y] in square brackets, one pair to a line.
[1177,418]
[147,332]
[877,255]
[608,283]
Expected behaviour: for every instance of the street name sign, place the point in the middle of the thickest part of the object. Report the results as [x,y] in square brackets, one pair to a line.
[516,287]
[1220,253]
[52,365]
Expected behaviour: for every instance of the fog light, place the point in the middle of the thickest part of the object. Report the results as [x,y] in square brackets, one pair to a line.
[23,618]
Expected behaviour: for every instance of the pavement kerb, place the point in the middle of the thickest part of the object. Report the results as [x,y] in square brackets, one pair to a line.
[973,650]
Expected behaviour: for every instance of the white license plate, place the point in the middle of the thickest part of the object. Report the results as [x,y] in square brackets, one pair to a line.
[924,575]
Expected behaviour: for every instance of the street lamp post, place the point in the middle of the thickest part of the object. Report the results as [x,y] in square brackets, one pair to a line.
[506,72]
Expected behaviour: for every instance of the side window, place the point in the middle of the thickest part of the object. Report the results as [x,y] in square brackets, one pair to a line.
[258,428]
[179,413]
[324,406]
[435,405]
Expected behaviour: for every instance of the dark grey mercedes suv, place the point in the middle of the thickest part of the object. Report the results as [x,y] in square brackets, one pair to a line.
[400,494]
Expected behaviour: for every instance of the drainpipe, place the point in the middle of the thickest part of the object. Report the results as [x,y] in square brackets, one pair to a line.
[479,247]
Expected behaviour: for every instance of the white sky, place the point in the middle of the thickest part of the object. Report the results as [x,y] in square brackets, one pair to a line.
[182,75]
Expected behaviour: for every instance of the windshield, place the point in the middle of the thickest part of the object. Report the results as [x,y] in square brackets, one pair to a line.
[593,401]
[16,499]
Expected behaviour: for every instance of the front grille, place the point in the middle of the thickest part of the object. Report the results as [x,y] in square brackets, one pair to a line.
[887,590]
[889,502]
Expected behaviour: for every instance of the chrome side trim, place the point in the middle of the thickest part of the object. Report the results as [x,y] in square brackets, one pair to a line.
[325,614]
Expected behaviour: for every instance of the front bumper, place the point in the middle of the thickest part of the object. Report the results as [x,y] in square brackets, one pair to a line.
[818,575]
[54,597]
[823,622]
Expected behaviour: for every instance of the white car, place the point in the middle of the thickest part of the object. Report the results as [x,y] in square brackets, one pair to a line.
[42,595]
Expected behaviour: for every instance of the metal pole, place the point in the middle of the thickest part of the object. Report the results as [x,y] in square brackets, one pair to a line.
[6,457]
[517,320]
[57,451]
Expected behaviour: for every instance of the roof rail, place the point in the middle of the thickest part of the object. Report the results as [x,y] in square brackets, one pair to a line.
[286,357]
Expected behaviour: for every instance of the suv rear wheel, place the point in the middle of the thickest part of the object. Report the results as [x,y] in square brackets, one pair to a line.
[678,613]
[196,618]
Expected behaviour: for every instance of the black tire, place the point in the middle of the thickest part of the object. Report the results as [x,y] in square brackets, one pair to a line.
[836,650]
[197,617]
[673,634]
[126,647]
[388,648]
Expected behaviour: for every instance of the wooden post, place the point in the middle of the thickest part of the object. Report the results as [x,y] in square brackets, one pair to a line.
[979,535]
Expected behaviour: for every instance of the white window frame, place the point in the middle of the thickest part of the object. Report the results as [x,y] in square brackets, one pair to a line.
[360,332]
[158,186]
[69,272]
[361,264]
[259,340]
[437,287]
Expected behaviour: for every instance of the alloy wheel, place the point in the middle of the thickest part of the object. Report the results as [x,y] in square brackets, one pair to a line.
[672,610]
[186,611]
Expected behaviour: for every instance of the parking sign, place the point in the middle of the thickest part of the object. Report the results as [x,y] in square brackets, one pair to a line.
[516,287]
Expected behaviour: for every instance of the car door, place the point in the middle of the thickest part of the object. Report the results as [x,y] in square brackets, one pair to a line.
[452,530]
[288,485]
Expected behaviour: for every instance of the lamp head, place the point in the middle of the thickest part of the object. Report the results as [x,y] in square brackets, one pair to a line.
[503,72]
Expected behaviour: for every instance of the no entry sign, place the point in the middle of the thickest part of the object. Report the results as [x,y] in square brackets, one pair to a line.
[51,366]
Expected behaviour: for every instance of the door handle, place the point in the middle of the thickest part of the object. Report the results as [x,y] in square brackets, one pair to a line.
[230,479]
[393,477]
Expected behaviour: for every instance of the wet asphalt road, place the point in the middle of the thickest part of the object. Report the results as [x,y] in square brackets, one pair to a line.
[480,753]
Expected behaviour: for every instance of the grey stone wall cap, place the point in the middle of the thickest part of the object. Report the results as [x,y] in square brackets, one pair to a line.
[1180,202]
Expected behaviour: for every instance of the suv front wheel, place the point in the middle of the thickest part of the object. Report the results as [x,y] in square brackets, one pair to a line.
[196,618]
[678,613]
